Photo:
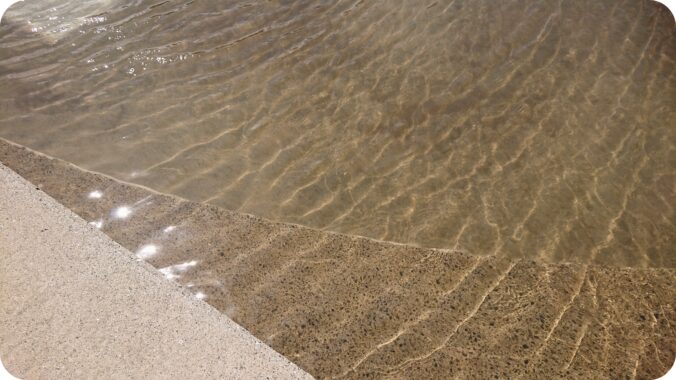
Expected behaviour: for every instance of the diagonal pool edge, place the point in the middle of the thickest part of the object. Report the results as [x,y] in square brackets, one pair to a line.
[73,303]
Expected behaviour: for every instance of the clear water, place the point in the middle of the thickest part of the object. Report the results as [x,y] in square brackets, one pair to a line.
[538,129]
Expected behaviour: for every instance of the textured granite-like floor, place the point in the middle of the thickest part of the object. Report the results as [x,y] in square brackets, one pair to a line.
[76,305]
[346,306]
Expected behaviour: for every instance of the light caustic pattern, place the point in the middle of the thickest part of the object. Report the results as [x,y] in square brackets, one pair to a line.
[522,128]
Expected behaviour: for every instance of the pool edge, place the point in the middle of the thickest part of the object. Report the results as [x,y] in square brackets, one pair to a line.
[74,302]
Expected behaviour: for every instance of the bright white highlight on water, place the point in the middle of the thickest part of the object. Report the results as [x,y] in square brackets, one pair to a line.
[184,266]
[168,273]
[173,271]
[169,229]
[122,212]
[97,223]
[200,295]
[95,194]
[147,251]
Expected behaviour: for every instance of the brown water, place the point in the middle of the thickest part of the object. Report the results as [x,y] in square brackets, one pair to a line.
[539,129]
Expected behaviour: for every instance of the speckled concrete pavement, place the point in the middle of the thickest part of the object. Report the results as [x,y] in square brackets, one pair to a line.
[75,304]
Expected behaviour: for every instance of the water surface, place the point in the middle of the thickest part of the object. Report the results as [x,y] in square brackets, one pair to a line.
[523,128]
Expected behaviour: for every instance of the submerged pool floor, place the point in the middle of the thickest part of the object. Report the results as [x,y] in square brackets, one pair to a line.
[346,306]
[541,129]
[387,189]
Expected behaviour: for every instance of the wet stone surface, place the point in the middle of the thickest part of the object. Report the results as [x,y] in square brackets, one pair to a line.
[346,306]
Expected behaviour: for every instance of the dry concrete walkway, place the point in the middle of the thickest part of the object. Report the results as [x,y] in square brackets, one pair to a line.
[75,304]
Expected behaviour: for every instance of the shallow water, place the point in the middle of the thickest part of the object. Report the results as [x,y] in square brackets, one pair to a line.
[539,129]
[343,306]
